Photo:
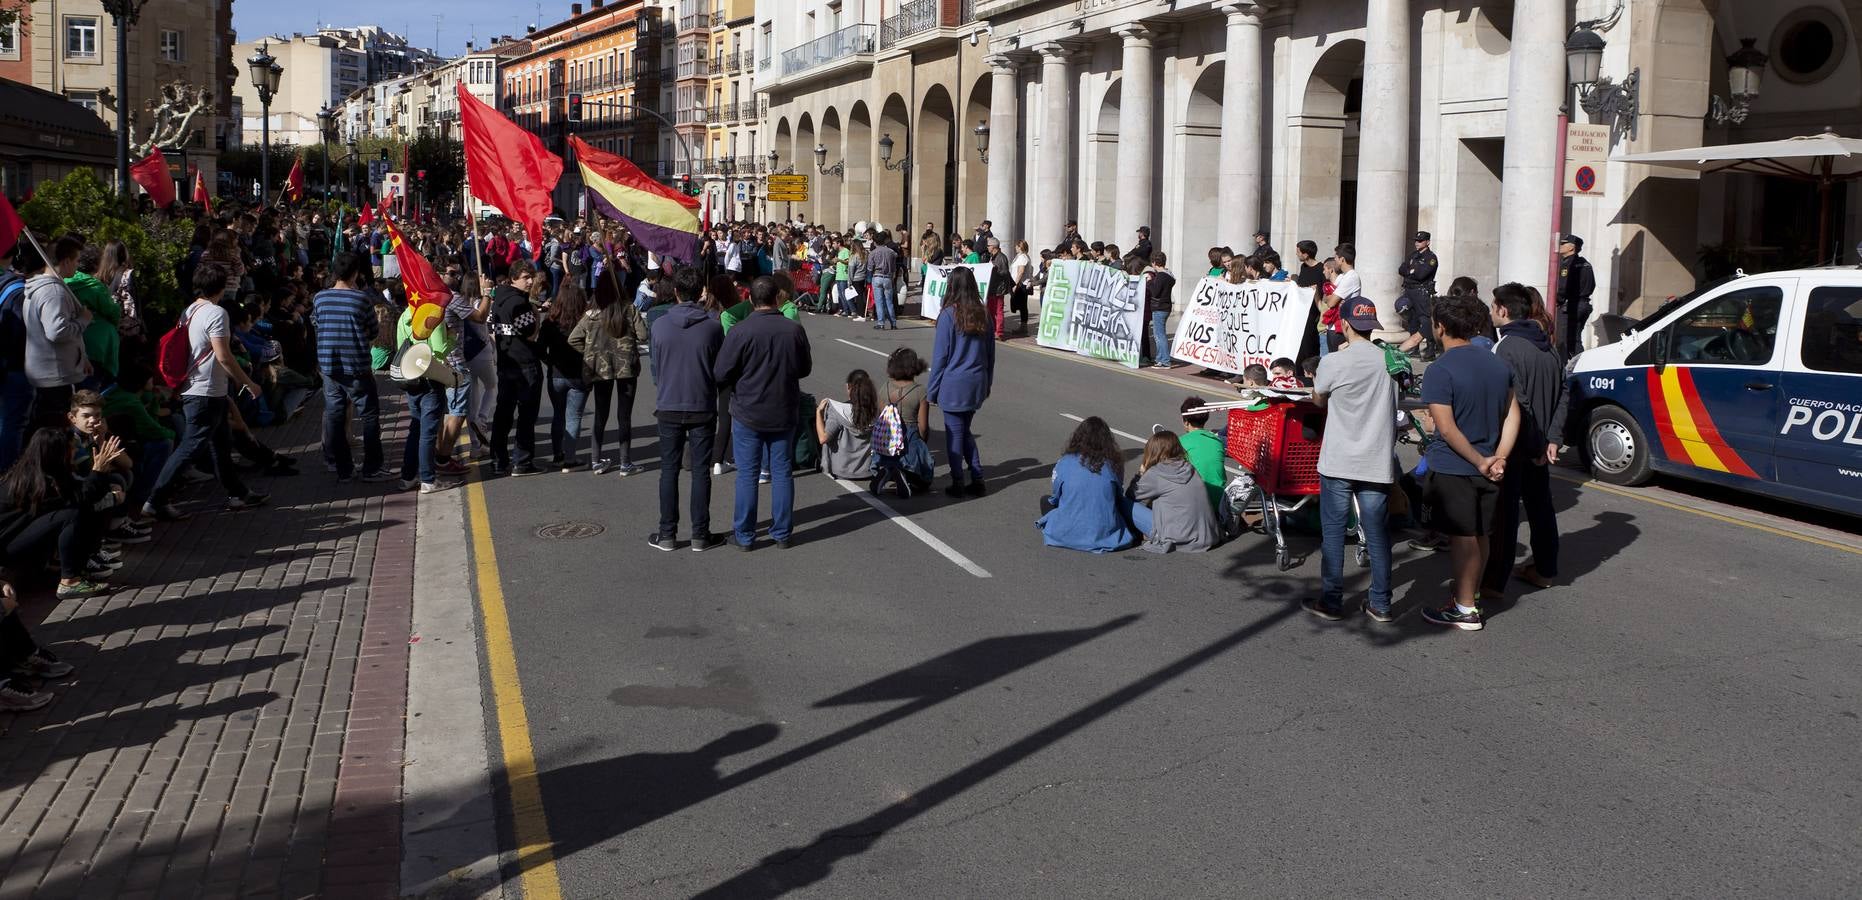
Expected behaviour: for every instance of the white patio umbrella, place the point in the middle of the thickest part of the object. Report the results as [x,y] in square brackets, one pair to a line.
[1822,159]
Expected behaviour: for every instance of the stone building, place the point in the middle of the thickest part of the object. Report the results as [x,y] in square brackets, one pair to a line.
[1328,120]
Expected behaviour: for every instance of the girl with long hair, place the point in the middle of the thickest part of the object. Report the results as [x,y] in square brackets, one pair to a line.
[963,367]
[1171,507]
[1084,509]
[608,338]
[845,429]
[45,507]
[567,385]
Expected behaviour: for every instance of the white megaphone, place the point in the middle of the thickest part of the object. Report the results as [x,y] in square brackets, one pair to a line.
[417,362]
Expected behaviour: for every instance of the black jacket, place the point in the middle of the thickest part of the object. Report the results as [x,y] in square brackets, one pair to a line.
[514,322]
[87,492]
[764,359]
[1157,290]
[1539,383]
[1576,280]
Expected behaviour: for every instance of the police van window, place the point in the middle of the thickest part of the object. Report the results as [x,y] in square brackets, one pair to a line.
[1833,330]
[1736,329]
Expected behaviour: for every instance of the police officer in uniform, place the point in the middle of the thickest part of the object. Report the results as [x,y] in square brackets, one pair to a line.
[1576,282]
[1418,274]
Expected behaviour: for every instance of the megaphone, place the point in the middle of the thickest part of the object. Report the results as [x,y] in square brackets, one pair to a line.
[418,362]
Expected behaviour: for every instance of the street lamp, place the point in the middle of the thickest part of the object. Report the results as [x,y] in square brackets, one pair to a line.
[982,140]
[326,117]
[1744,69]
[265,74]
[885,156]
[354,149]
[772,160]
[838,170]
[1597,93]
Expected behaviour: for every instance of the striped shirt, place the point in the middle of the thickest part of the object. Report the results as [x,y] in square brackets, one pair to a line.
[346,327]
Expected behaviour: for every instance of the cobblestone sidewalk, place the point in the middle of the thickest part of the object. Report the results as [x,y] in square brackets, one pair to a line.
[235,726]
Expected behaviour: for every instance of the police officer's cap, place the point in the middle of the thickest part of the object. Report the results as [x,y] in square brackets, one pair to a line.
[1422,235]
[1573,240]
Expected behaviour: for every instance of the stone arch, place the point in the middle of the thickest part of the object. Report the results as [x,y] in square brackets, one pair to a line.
[933,161]
[891,188]
[1199,140]
[1324,148]
[973,175]
[827,196]
[857,193]
[1099,218]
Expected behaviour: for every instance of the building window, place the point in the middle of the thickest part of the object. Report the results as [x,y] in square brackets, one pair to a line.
[81,37]
[86,99]
[9,41]
[1808,45]
[173,50]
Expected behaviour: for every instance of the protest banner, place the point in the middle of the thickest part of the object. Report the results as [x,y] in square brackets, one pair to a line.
[1092,310]
[1229,327]
[937,279]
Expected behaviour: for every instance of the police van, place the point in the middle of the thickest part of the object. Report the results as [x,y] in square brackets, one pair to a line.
[1754,383]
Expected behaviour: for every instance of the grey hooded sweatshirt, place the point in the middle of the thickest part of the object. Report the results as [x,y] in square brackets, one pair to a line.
[54,333]
[1182,518]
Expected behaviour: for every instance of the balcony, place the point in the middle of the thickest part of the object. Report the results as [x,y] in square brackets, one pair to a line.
[695,68]
[763,65]
[747,111]
[849,42]
[732,63]
[920,17]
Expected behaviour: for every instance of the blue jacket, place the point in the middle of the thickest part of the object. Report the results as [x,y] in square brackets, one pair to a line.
[764,360]
[685,344]
[962,366]
[1089,511]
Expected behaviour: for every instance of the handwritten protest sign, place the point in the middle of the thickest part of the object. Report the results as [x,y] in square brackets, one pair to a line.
[937,281]
[1092,310]
[1229,327]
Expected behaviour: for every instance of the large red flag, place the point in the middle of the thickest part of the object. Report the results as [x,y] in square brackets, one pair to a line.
[152,174]
[200,192]
[294,182]
[507,166]
[423,284]
[10,226]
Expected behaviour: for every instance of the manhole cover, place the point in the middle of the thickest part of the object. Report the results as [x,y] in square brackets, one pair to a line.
[569,531]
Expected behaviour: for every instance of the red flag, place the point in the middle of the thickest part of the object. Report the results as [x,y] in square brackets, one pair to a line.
[507,166]
[152,174]
[366,216]
[423,284]
[10,226]
[294,182]
[200,192]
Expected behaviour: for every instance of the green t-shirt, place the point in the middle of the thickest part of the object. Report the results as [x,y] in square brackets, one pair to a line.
[1208,457]
[840,264]
[741,311]
[440,341]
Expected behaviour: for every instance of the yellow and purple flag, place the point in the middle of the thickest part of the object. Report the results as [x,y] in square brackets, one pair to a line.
[662,219]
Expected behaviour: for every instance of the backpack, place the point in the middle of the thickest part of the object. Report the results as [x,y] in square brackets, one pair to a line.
[888,432]
[174,355]
[12,288]
[807,445]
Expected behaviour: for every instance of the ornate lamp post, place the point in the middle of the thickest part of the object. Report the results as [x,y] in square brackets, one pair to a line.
[265,73]
[838,170]
[325,119]
[982,140]
[1745,67]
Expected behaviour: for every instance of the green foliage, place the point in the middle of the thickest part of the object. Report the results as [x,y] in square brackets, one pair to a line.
[82,204]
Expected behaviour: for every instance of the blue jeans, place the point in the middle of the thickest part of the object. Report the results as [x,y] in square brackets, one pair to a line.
[151,457]
[424,410]
[1160,325]
[567,398]
[960,446]
[339,393]
[673,439]
[16,395]
[1141,518]
[845,302]
[882,300]
[780,449]
[206,430]
[1334,508]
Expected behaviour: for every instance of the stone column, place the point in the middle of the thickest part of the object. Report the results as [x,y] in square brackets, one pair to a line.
[1053,190]
[1136,192]
[1005,150]
[1385,129]
[1242,99]
[1535,88]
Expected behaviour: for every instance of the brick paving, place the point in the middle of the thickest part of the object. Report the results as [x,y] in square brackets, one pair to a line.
[236,724]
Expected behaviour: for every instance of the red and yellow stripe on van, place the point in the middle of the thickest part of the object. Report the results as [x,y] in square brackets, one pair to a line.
[1686,430]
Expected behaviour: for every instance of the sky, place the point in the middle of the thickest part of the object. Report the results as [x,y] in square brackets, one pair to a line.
[457,20]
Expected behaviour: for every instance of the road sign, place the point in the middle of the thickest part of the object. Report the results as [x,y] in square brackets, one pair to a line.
[393,183]
[378,169]
[1586,149]
[788,189]
[741,191]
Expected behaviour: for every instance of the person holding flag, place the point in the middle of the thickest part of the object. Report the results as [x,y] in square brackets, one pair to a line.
[507,166]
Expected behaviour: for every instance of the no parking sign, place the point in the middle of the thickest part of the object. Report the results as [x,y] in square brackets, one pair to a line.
[1586,148]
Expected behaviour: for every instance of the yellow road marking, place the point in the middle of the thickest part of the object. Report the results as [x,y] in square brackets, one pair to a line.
[536,856]
[1708,514]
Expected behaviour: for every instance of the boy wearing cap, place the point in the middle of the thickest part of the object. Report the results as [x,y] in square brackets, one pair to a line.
[1576,282]
[1356,460]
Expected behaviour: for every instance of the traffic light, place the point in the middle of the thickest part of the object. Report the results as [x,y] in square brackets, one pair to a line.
[575,107]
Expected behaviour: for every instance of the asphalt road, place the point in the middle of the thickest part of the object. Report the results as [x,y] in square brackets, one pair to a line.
[861,716]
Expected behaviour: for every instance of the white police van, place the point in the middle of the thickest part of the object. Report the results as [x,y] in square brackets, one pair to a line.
[1754,383]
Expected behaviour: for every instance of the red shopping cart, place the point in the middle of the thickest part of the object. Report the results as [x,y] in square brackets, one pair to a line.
[1279,447]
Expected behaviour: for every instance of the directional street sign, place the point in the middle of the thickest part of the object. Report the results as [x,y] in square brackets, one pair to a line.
[788,189]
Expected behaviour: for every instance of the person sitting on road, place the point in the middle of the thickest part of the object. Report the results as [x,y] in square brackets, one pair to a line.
[845,429]
[1170,506]
[1204,448]
[24,665]
[45,509]
[1085,508]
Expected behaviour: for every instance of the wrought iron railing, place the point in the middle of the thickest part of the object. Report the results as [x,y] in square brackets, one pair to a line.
[850,41]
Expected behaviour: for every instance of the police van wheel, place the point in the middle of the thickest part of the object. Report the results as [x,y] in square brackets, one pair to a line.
[1617,447]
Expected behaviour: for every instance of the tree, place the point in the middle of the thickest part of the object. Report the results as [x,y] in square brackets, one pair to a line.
[171,113]
[80,203]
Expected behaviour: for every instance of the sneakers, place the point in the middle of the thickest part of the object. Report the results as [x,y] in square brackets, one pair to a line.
[434,487]
[571,464]
[1380,616]
[42,664]
[602,466]
[703,542]
[1455,618]
[408,484]
[165,512]
[721,468]
[762,478]
[1323,609]
[627,468]
[83,588]
[131,532]
[525,469]
[378,476]
[784,544]
[195,476]
[976,488]
[251,500]
[1432,542]
[663,542]
[14,698]
[454,468]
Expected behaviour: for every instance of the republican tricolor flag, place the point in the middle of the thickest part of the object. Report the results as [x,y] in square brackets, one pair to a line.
[662,219]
